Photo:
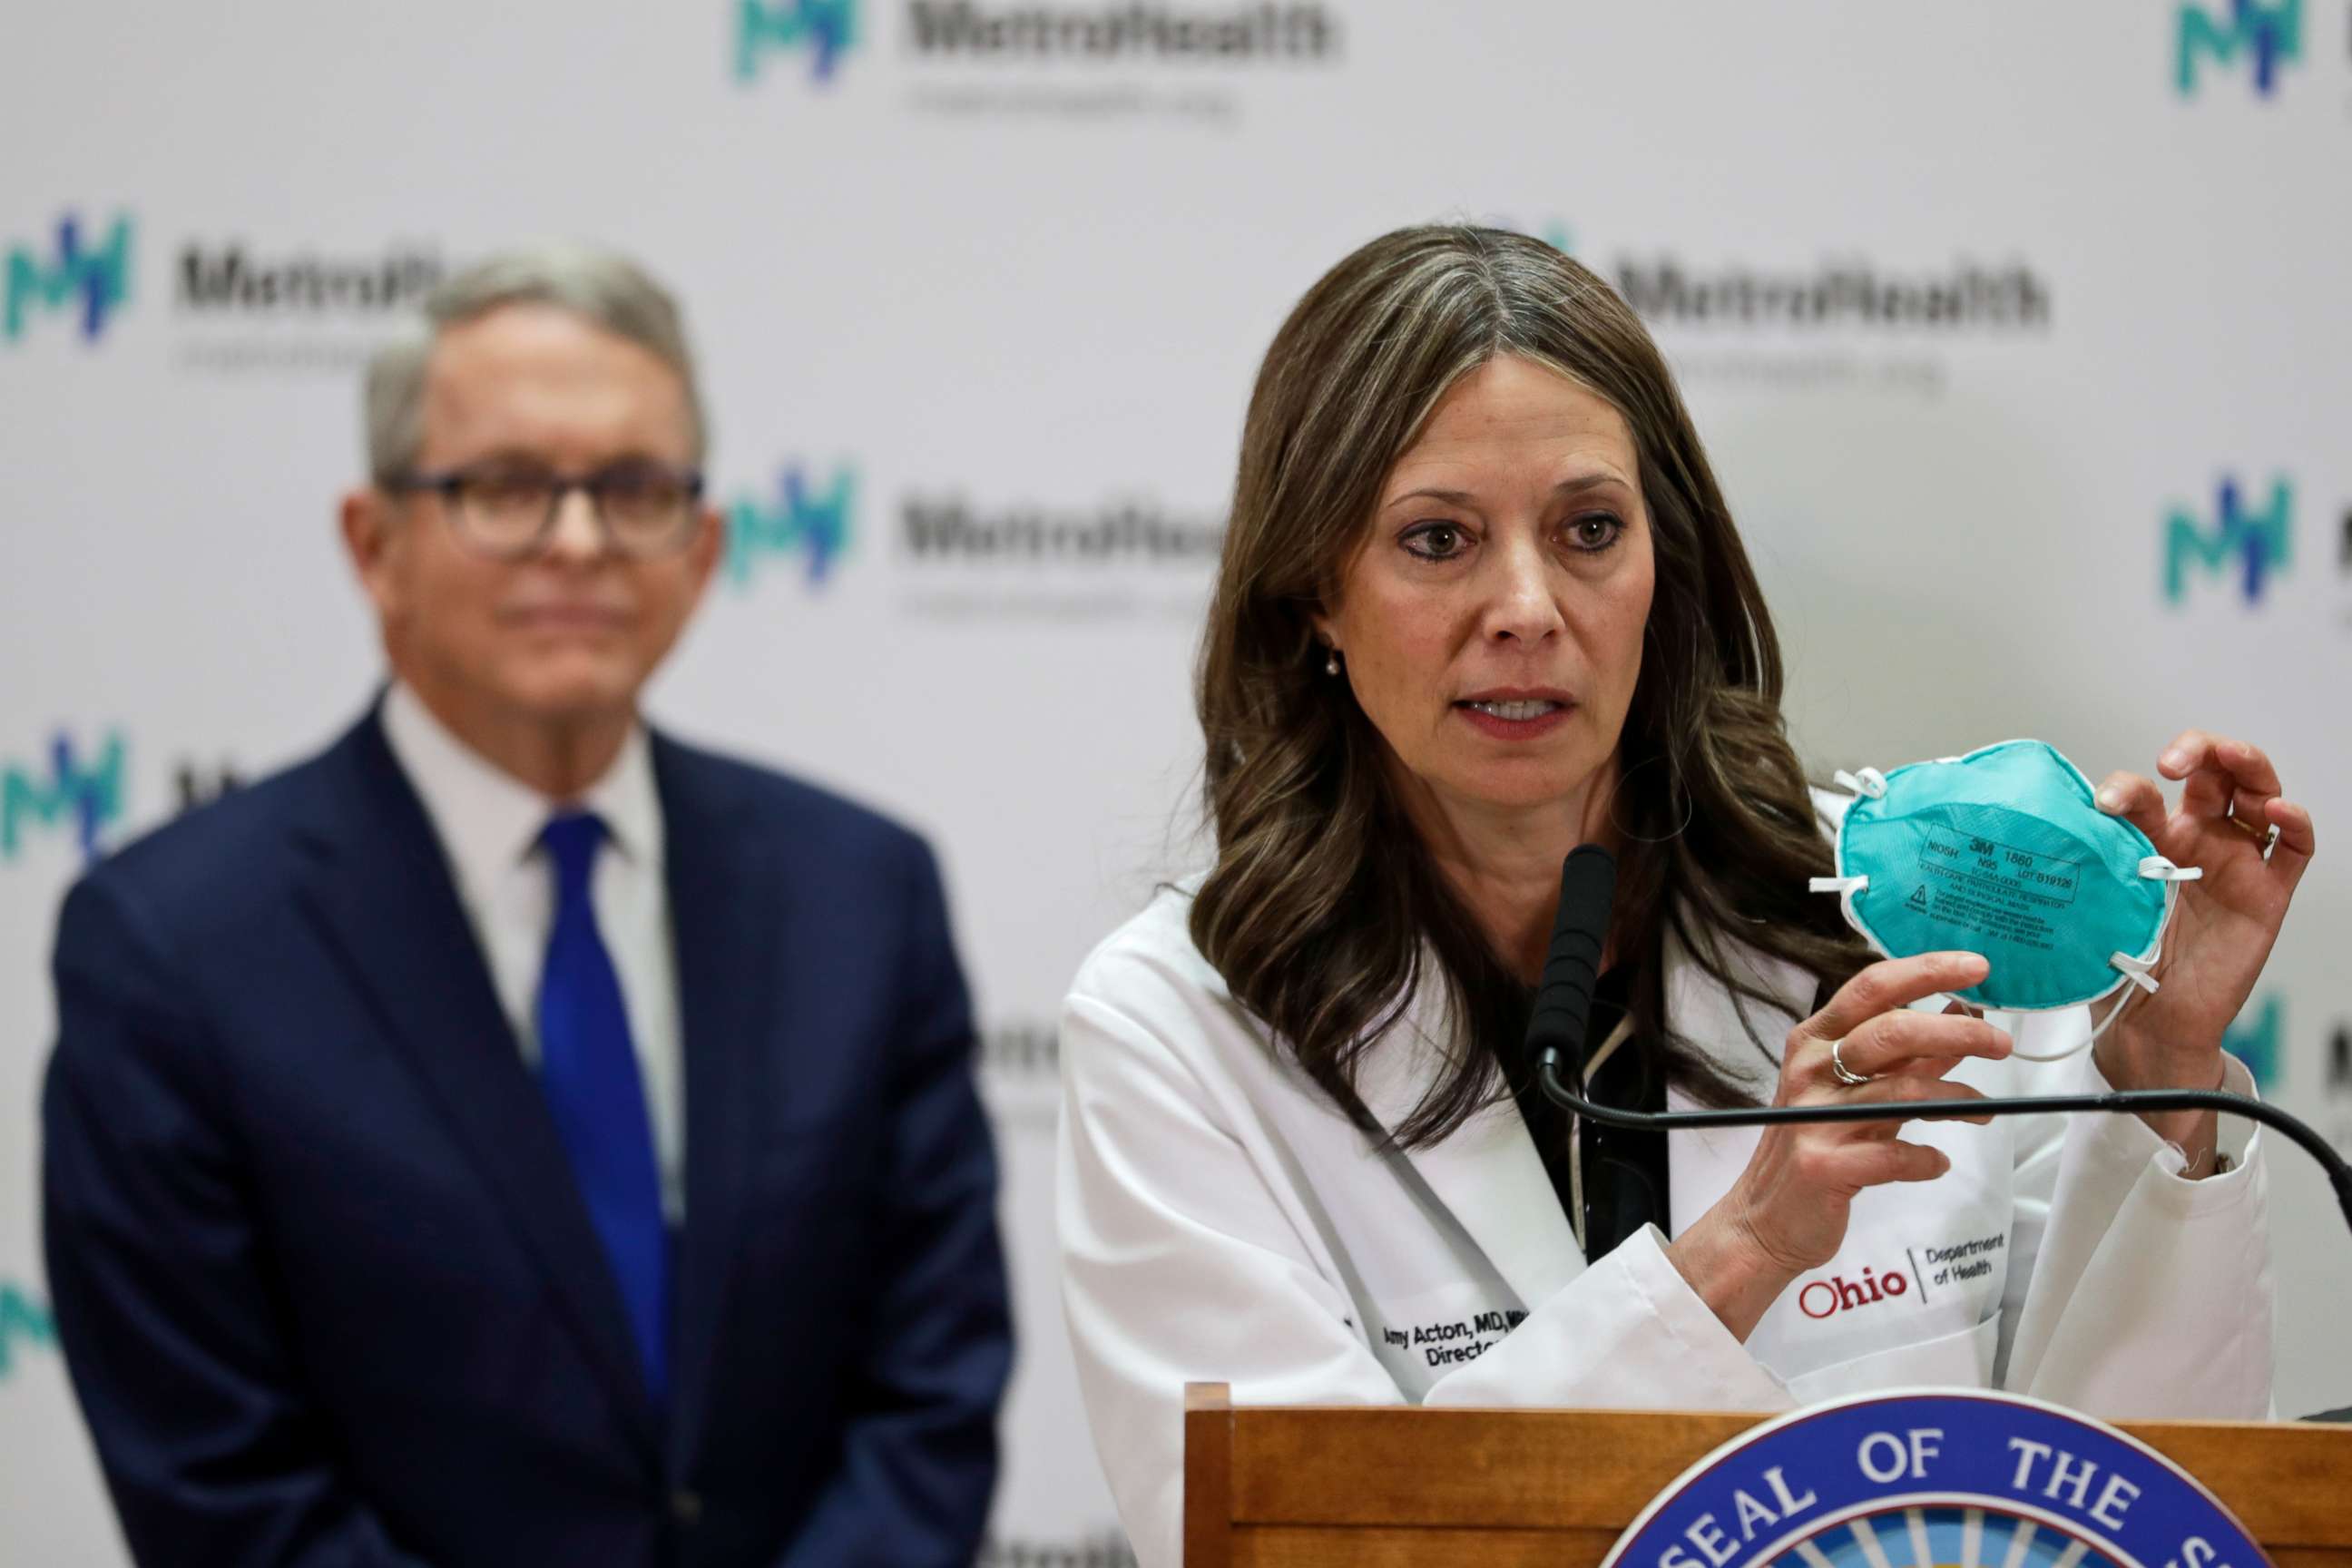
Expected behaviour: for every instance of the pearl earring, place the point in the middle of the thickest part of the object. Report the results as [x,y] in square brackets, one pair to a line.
[1331,665]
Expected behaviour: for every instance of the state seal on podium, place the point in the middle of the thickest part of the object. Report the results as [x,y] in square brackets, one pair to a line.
[1936,1478]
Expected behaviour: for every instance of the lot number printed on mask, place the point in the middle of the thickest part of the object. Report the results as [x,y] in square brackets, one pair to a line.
[1993,889]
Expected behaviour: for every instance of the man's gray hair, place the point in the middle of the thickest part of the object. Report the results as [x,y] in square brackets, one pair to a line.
[604,290]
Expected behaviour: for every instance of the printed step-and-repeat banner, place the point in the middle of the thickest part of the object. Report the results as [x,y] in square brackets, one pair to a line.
[2020,334]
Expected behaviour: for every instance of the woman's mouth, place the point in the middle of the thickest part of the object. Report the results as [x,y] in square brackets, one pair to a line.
[1518,709]
[1516,717]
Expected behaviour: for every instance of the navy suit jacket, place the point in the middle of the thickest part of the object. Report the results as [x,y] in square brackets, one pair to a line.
[327,1289]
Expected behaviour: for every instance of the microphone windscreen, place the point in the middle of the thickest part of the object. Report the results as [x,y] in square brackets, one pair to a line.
[1588,887]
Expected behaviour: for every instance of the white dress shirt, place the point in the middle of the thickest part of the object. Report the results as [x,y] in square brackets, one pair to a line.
[489,824]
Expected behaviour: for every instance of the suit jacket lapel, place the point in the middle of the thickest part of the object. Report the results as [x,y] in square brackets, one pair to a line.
[380,890]
[728,917]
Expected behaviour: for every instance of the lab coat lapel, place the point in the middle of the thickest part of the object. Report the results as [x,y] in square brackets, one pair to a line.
[1702,1165]
[1488,1175]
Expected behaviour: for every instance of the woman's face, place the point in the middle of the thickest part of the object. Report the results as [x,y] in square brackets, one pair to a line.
[1490,623]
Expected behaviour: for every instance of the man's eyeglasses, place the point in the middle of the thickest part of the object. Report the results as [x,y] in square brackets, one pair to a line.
[508,510]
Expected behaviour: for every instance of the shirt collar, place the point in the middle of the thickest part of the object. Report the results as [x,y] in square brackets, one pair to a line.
[489,820]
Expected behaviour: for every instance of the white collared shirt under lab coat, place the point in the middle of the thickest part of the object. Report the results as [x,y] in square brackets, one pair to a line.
[488,824]
[1223,1221]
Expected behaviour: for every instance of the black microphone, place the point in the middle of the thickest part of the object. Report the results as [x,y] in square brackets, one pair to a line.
[1588,887]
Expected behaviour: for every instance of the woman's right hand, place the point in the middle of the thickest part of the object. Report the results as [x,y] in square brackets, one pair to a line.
[1787,1213]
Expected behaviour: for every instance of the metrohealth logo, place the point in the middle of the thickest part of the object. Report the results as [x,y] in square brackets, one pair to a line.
[803,521]
[92,277]
[2256,1037]
[25,1324]
[827,29]
[2258,543]
[2271,34]
[88,795]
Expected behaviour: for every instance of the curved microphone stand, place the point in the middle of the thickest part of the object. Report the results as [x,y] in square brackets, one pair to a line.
[1588,887]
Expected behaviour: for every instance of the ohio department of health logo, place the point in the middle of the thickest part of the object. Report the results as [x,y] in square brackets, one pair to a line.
[1935,1479]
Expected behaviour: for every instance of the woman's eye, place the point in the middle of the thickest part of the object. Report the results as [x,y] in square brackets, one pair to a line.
[1436,541]
[1596,532]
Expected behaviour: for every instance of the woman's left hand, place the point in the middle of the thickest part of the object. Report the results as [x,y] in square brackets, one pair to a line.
[2225,922]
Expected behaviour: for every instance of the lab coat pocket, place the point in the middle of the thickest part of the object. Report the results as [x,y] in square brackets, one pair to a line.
[1960,1360]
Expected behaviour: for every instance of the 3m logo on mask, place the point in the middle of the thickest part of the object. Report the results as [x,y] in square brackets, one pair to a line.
[2270,34]
[89,795]
[90,277]
[2004,852]
[25,1324]
[804,522]
[2257,544]
[827,28]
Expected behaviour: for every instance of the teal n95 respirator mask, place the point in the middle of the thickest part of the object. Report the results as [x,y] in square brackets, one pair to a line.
[2005,852]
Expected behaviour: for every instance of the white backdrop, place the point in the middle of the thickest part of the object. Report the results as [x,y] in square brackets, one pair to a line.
[1969,301]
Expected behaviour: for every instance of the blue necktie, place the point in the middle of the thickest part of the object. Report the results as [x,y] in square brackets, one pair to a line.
[588,1070]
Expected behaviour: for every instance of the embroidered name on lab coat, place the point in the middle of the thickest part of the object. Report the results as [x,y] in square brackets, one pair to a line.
[1449,1341]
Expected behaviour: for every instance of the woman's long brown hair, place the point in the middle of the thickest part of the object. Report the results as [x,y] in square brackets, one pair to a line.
[1324,910]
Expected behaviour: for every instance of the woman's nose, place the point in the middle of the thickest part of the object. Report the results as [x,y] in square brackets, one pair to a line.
[1523,607]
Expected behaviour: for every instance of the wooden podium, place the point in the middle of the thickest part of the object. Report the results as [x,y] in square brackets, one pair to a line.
[1397,1487]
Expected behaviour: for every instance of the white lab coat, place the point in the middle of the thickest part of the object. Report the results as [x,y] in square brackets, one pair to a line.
[1223,1221]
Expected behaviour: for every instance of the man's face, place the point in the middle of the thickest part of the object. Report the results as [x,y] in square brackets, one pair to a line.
[571,634]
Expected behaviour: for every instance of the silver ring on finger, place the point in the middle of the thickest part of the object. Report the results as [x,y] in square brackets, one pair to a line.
[1844,1073]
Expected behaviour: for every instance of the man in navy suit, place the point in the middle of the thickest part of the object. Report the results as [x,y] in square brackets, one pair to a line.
[514,1137]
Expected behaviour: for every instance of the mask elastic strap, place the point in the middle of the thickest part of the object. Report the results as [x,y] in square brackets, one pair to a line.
[2141,981]
[2140,971]
[2132,993]
[2136,971]
[2156,868]
[1868,782]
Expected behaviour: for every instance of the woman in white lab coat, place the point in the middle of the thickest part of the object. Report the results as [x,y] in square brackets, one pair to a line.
[1480,602]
